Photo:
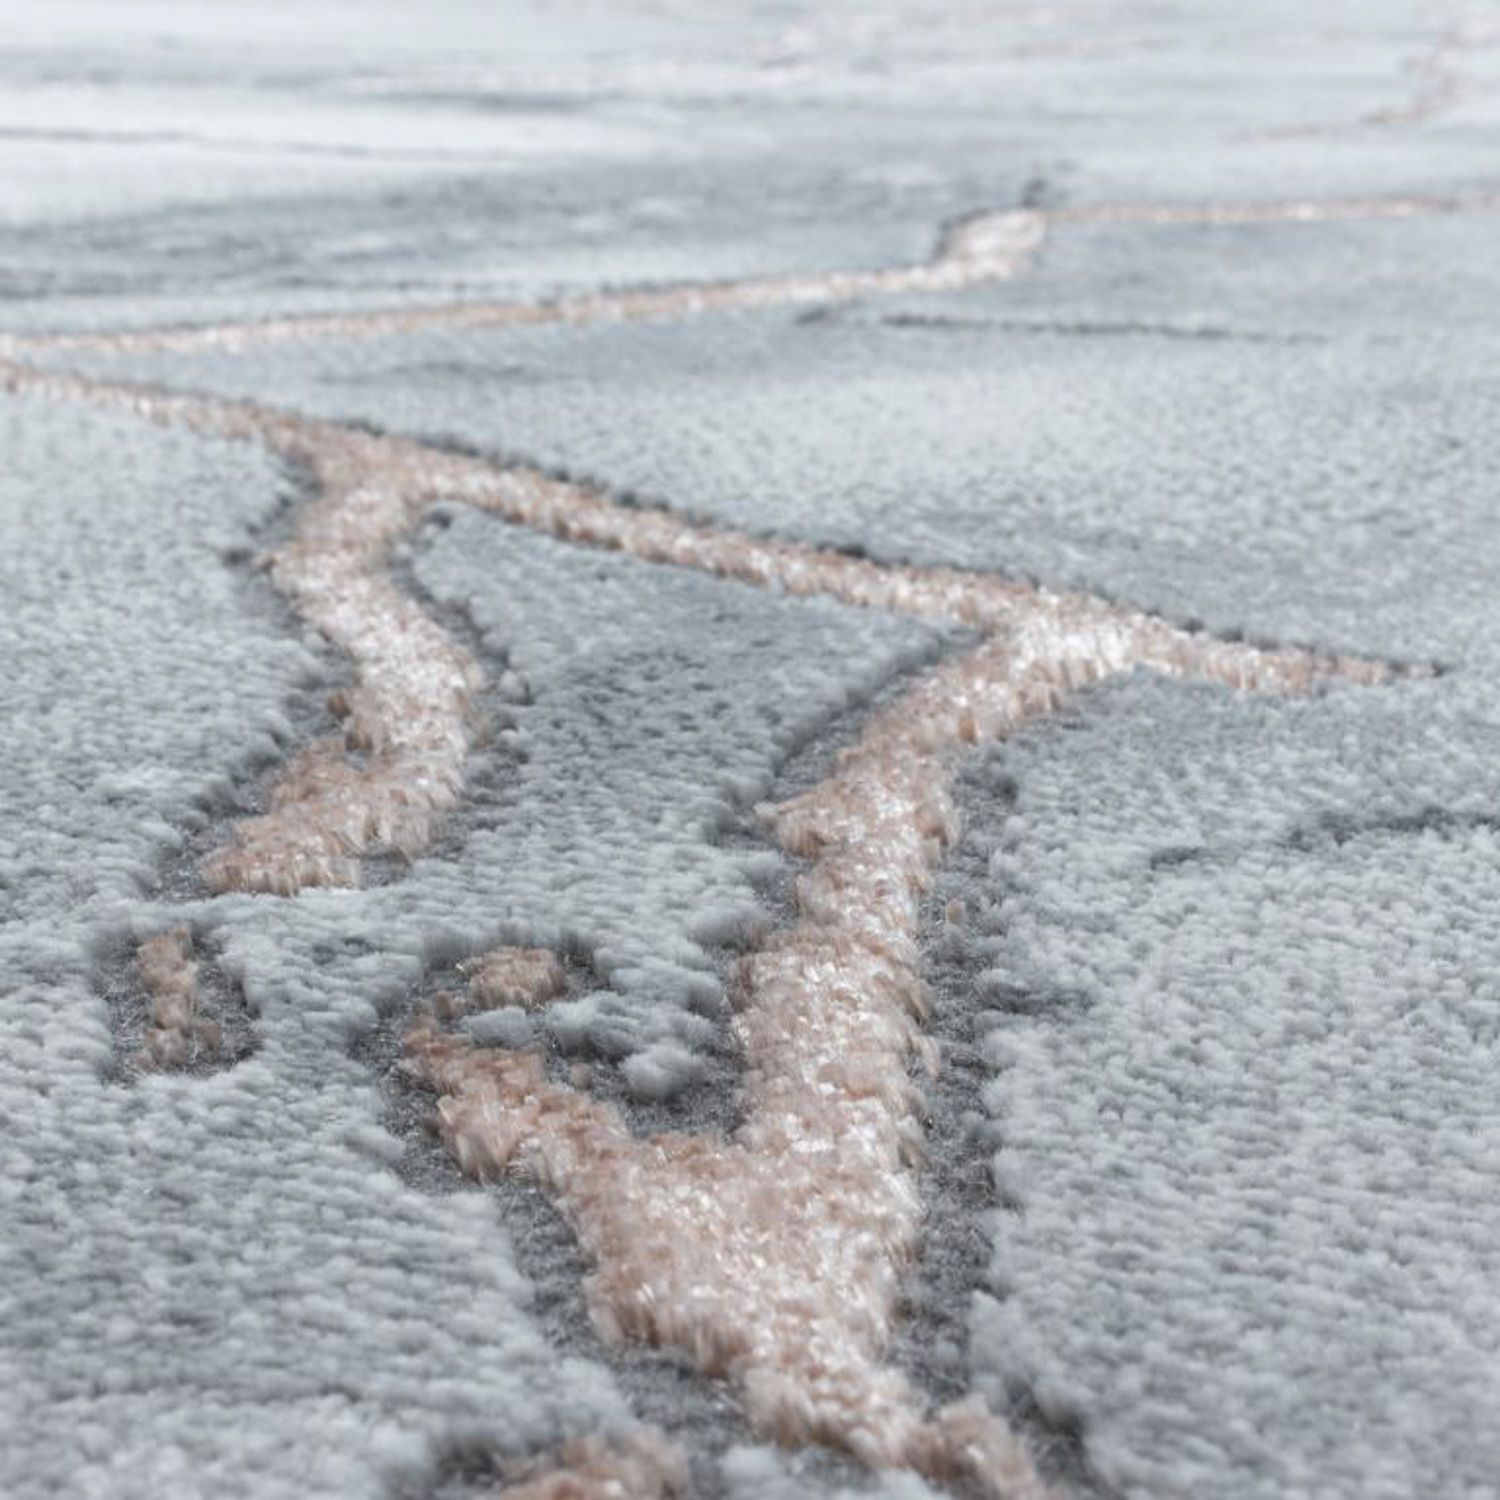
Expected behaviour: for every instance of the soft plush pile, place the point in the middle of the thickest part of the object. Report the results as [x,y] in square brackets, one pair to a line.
[749,750]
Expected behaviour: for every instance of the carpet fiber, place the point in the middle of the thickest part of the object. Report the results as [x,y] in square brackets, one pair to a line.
[749,750]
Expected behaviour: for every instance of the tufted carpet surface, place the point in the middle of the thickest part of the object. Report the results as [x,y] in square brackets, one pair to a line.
[749,750]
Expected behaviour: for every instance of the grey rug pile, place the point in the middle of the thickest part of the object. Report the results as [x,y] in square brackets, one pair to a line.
[749,750]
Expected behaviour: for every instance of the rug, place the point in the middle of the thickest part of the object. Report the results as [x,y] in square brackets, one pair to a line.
[749,750]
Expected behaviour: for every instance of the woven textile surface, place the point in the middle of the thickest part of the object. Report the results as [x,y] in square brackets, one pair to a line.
[749,750]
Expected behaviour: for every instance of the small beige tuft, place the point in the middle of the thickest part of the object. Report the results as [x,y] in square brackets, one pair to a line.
[528,977]
[176,1034]
[643,1466]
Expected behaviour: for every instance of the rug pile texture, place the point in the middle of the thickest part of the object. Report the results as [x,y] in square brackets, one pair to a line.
[749,750]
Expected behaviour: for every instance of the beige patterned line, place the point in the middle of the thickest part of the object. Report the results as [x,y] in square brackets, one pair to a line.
[986,247]
[774,1256]
[409,723]
[1281,211]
